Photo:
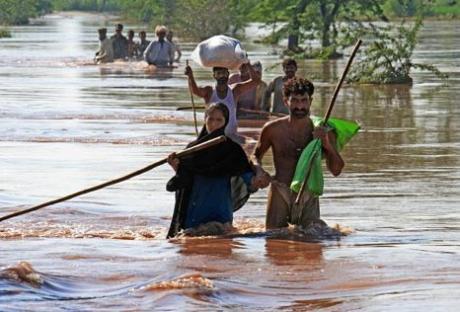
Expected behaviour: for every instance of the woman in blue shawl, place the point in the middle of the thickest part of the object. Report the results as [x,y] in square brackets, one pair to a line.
[208,184]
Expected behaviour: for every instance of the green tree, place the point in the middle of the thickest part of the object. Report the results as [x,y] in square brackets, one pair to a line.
[148,11]
[17,12]
[388,59]
[210,17]
[277,15]
[86,5]
[331,22]
[406,8]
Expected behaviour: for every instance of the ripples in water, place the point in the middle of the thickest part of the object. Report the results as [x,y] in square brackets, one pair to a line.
[141,228]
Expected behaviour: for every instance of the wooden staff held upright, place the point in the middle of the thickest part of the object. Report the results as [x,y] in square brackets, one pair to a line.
[193,104]
[328,113]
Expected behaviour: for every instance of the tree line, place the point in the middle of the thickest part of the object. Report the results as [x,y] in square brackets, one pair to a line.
[332,22]
[313,28]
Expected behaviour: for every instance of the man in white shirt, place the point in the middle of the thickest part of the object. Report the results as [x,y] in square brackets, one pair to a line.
[105,53]
[160,52]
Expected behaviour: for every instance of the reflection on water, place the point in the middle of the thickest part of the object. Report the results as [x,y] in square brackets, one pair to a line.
[66,125]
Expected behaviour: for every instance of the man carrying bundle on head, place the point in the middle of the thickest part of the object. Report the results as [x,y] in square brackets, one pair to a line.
[288,136]
[223,93]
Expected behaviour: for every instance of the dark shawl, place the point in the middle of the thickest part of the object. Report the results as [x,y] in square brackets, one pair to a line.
[225,159]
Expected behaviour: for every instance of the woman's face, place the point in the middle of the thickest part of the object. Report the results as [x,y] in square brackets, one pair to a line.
[214,120]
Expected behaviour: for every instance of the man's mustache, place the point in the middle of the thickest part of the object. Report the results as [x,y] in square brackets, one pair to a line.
[300,110]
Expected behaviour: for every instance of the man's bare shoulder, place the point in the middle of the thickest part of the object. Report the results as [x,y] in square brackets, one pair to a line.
[276,125]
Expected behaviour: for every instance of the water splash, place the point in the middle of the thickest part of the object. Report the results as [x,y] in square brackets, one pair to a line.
[253,228]
[78,230]
[193,281]
[23,272]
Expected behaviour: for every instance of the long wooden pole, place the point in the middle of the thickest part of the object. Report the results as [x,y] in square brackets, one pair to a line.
[190,107]
[193,105]
[329,111]
[244,110]
[261,112]
[182,153]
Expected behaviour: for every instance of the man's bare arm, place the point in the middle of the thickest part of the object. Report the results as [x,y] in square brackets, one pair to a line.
[334,161]
[262,146]
[243,87]
[262,178]
[203,92]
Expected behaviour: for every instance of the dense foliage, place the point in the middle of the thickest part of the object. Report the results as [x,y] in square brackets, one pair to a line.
[313,28]
[388,59]
[4,33]
[17,12]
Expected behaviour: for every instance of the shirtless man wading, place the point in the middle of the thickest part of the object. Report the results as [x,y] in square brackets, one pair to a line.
[288,136]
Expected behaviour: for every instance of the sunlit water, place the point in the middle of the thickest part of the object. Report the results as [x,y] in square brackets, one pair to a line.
[66,125]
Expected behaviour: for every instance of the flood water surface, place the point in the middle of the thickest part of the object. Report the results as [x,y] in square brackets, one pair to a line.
[66,125]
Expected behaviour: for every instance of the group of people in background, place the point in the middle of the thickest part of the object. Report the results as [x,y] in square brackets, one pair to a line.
[161,52]
[211,185]
[259,97]
[256,96]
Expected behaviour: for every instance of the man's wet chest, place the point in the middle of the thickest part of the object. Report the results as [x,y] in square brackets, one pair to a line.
[290,144]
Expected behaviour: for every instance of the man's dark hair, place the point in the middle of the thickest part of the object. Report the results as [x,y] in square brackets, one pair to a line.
[288,62]
[102,30]
[119,27]
[142,32]
[219,68]
[298,85]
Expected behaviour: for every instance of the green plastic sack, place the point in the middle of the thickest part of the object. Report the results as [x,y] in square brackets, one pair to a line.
[310,159]
[344,129]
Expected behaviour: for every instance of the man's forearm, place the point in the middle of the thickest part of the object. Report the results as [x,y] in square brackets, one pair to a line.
[334,161]
[193,86]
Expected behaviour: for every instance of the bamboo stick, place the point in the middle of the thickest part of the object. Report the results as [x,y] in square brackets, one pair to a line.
[329,111]
[193,105]
[182,153]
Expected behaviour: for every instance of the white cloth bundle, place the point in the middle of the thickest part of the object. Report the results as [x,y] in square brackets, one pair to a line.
[220,51]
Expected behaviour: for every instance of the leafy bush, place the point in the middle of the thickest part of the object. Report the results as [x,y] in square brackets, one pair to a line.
[5,33]
[388,58]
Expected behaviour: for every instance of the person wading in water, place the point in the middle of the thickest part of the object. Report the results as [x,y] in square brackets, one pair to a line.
[276,87]
[223,93]
[287,137]
[205,191]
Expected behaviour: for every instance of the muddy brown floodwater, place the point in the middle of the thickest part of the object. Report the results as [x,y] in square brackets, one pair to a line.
[66,125]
